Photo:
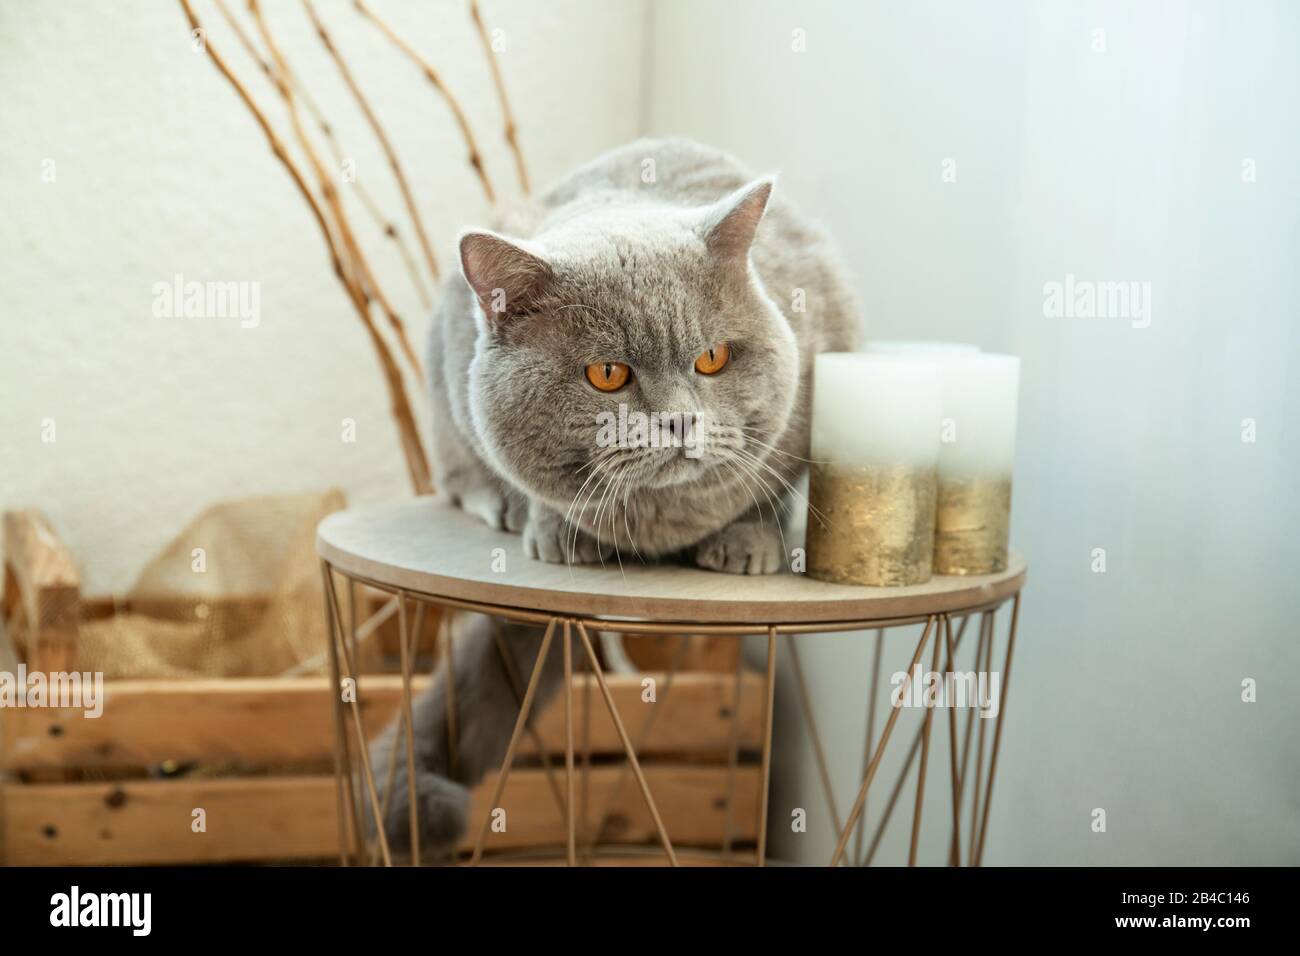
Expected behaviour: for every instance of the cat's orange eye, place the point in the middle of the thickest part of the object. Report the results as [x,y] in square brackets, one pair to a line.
[608,376]
[713,359]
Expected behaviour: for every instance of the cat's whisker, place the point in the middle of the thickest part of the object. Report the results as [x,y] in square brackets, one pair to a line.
[758,462]
[599,474]
[812,509]
[626,527]
[773,501]
[602,476]
[777,451]
[623,478]
[734,469]
[772,496]
[609,474]
[768,493]
[614,474]
[611,453]
[597,462]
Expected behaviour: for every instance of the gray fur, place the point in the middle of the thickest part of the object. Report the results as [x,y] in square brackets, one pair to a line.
[606,266]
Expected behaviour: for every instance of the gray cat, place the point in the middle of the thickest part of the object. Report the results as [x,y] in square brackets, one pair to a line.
[659,282]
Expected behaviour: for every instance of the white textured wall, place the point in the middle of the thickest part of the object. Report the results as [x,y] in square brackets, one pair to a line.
[1122,165]
[160,169]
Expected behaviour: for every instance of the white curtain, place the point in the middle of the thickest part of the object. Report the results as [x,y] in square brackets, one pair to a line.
[1153,143]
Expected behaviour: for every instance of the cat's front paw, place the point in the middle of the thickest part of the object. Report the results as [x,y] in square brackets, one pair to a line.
[548,537]
[500,508]
[743,547]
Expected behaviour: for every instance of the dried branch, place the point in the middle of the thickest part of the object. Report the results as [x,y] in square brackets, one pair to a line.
[364,280]
[413,449]
[283,77]
[511,132]
[386,226]
[403,186]
[475,157]
[277,147]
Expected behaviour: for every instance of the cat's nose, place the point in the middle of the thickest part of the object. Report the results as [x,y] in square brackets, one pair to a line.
[686,428]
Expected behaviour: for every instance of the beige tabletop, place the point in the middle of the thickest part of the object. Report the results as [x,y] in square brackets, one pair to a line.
[424,545]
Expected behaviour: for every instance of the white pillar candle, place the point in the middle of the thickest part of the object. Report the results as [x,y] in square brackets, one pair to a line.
[875,451]
[978,438]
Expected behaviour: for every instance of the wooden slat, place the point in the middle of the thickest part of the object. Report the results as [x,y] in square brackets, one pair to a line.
[252,720]
[691,800]
[149,821]
[47,587]
[655,652]
[695,714]
[293,818]
[267,721]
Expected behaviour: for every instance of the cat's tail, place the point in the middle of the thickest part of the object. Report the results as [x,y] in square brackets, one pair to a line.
[441,804]
[487,707]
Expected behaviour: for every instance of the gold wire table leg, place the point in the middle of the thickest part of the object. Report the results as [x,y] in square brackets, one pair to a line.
[417,627]
[733,753]
[880,751]
[805,702]
[642,734]
[352,782]
[627,743]
[894,794]
[569,804]
[765,779]
[390,777]
[963,775]
[409,721]
[952,751]
[870,737]
[997,733]
[902,775]
[340,732]
[516,688]
[986,643]
[453,737]
[589,836]
[926,727]
[353,641]
[352,617]
[524,709]
[355,710]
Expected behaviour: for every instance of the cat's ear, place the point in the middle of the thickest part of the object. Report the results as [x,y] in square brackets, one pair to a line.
[729,224]
[506,274]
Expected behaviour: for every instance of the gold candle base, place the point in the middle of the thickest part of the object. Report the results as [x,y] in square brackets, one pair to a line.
[974,517]
[878,524]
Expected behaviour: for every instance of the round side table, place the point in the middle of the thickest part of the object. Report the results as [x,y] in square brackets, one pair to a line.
[424,552]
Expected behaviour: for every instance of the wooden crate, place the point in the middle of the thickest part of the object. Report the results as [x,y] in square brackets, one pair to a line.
[256,754]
